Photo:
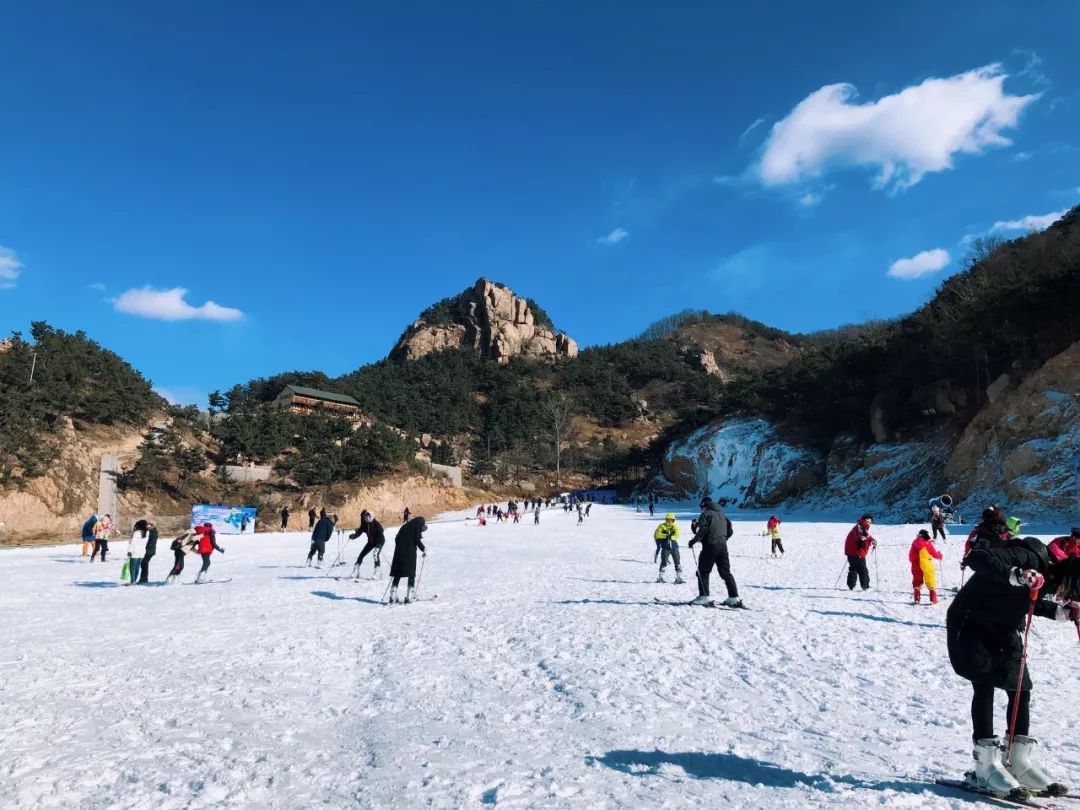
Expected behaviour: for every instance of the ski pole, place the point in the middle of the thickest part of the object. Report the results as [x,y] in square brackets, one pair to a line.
[1020,678]
[419,576]
[877,571]
[388,583]
[697,571]
[837,583]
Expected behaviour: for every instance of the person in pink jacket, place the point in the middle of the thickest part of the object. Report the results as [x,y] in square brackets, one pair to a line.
[1061,548]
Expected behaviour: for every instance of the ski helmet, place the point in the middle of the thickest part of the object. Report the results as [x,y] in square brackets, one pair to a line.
[669,516]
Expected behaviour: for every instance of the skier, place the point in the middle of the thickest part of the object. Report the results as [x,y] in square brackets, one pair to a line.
[772,531]
[207,545]
[536,516]
[652,508]
[151,550]
[986,640]
[588,508]
[405,515]
[284,518]
[937,522]
[375,541]
[88,534]
[921,555]
[1062,548]
[856,547]
[183,544]
[102,530]
[667,535]
[991,516]
[322,532]
[408,539]
[137,550]
[580,514]
[713,531]
[311,517]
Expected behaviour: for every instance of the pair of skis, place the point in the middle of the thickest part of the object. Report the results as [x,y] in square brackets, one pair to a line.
[1017,799]
[715,605]
[208,582]
[433,598]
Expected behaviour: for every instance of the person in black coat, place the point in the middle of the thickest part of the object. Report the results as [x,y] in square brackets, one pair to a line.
[375,540]
[409,538]
[284,518]
[985,629]
[712,529]
[151,550]
[322,532]
[311,517]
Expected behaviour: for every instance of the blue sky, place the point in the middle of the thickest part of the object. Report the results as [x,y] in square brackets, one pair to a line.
[323,171]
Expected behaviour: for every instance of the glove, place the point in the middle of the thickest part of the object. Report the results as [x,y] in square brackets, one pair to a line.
[691,543]
[221,549]
[424,555]
[1030,579]
[1069,612]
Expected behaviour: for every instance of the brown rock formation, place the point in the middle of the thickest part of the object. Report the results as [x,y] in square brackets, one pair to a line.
[489,319]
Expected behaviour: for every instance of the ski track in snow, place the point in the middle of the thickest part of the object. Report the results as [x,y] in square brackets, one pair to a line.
[543,676]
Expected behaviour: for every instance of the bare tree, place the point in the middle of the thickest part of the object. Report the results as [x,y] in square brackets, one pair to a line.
[556,409]
[982,248]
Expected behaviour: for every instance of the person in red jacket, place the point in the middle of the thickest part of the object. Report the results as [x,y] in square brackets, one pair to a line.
[1061,548]
[991,516]
[207,545]
[856,547]
[921,556]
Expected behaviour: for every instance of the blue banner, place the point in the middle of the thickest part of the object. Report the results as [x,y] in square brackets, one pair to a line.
[224,519]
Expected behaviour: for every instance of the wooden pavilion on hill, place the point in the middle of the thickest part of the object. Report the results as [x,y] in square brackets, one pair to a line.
[298,399]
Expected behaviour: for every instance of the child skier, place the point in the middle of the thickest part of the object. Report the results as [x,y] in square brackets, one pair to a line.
[207,545]
[183,544]
[858,544]
[986,641]
[375,540]
[408,539]
[921,555]
[667,535]
[772,531]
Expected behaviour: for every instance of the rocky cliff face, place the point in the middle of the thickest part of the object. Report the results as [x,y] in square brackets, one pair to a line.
[1021,449]
[489,319]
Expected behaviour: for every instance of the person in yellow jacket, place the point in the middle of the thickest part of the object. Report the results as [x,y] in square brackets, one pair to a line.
[667,542]
[921,556]
[772,531]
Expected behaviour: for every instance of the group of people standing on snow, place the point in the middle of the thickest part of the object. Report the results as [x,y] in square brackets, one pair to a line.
[142,548]
[712,530]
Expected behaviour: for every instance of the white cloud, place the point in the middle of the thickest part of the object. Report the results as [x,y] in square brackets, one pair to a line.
[614,237]
[169,305]
[929,261]
[10,268]
[903,136]
[746,132]
[97,285]
[1032,222]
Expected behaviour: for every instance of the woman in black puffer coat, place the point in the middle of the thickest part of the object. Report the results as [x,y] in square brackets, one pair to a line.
[985,627]
[407,541]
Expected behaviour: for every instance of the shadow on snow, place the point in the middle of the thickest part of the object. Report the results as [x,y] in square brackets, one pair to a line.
[335,597]
[887,619]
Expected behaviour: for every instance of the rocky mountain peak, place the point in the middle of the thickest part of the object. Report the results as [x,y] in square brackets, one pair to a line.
[487,318]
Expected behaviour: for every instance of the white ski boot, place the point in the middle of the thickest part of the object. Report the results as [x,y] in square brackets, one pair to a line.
[660,577]
[678,578]
[410,595]
[1029,774]
[200,578]
[170,579]
[318,564]
[733,601]
[702,599]
[355,572]
[990,774]
[393,595]
[309,562]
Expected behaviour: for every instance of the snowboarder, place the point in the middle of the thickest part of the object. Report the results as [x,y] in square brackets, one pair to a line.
[151,550]
[311,517]
[986,641]
[322,532]
[88,534]
[858,544]
[667,535]
[713,531]
[1062,548]
[921,555]
[207,545]
[408,539]
[284,518]
[937,522]
[772,531]
[137,550]
[375,540]
[183,544]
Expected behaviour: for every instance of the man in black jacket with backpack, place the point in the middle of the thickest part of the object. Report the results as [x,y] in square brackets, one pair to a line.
[713,530]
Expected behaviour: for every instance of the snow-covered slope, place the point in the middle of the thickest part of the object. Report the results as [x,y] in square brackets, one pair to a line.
[545,676]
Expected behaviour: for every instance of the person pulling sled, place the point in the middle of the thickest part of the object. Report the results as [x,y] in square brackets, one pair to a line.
[987,630]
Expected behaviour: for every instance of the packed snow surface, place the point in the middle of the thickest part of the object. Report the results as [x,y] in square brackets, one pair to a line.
[545,675]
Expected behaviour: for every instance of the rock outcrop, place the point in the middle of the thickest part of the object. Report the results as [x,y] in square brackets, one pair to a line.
[489,319]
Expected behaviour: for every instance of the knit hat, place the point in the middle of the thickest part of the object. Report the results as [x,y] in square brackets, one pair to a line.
[924,534]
